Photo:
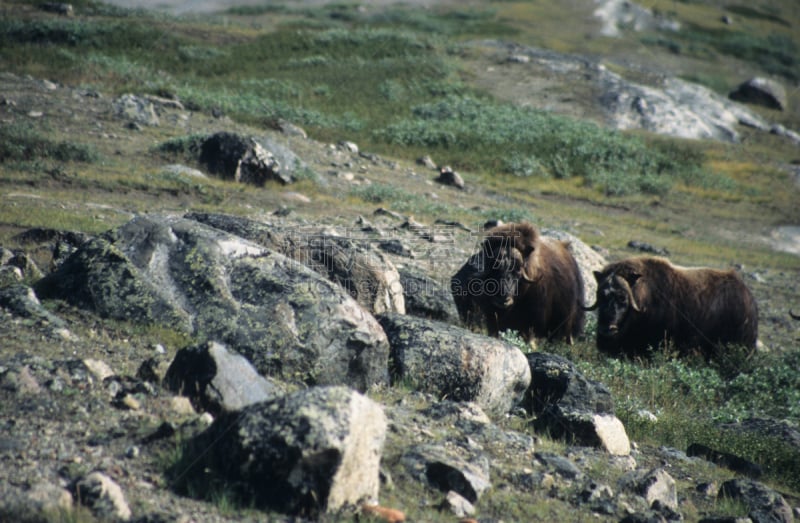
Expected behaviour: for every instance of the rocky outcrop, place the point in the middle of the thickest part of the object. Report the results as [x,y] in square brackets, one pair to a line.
[616,15]
[450,362]
[655,103]
[286,319]
[308,453]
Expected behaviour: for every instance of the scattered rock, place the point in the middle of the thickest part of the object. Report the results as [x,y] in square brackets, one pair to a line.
[457,470]
[350,147]
[241,159]
[447,176]
[217,380]
[103,496]
[761,91]
[567,405]
[458,505]
[136,110]
[427,162]
[766,505]
[656,486]
[450,362]
[555,381]
[311,452]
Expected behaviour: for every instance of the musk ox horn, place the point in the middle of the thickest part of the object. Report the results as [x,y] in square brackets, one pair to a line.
[793,315]
[626,286]
[590,307]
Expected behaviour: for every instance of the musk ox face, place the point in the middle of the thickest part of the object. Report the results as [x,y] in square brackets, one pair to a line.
[616,304]
[505,268]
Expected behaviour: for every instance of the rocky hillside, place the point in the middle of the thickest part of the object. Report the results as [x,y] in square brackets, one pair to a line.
[208,320]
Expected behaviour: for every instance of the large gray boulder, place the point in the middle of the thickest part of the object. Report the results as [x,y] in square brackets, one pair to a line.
[761,91]
[569,406]
[448,361]
[289,321]
[364,272]
[241,159]
[307,453]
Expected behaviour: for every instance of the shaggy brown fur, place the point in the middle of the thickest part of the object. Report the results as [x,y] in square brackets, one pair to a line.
[645,301]
[523,282]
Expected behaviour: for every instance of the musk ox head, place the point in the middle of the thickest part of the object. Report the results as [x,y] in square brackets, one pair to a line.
[616,302]
[509,262]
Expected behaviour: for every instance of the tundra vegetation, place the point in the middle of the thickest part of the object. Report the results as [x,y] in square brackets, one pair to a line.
[400,82]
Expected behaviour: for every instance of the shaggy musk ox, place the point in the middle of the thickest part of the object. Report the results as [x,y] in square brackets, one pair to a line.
[521,281]
[642,302]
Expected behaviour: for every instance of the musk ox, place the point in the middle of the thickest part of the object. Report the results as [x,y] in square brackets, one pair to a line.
[521,281]
[644,301]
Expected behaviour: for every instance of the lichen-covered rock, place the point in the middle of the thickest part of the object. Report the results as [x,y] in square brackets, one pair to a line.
[306,453]
[136,110]
[567,405]
[656,486]
[450,362]
[364,272]
[286,319]
[217,380]
[555,381]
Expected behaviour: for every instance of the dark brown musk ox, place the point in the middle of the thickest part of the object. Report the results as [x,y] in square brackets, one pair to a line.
[522,281]
[644,301]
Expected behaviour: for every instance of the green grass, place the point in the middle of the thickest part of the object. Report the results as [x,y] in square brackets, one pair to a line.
[23,143]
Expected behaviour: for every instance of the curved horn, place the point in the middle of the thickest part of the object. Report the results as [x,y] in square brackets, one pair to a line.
[793,315]
[591,307]
[625,285]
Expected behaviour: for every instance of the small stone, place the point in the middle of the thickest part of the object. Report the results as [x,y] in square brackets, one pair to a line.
[130,402]
[98,368]
[458,505]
